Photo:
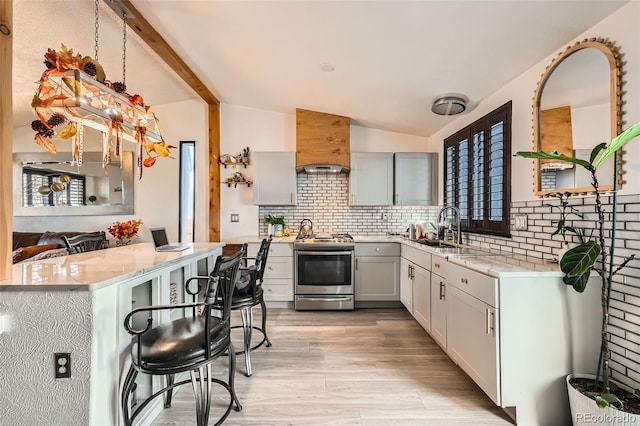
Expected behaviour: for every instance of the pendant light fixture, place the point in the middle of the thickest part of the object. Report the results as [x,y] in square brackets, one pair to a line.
[73,92]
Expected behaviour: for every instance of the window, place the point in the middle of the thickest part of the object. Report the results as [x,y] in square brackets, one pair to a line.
[478,173]
[41,187]
[186,221]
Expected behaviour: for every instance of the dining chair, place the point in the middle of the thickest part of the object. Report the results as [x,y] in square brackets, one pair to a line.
[186,344]
[82,243]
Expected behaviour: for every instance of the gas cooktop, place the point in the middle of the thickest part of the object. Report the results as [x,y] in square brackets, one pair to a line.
[326,238]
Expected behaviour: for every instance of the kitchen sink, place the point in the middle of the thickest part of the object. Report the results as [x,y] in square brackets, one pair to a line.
[434,243]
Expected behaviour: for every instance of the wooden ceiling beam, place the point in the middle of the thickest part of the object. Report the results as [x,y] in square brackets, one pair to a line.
[158,44]
[155,41]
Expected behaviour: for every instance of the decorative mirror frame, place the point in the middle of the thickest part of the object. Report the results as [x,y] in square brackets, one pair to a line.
[613,56]
[127,206]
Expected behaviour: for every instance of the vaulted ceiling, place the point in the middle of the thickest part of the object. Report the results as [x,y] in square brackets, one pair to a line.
[390,59]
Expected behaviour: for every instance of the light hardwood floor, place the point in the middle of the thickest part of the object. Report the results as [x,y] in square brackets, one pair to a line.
[363,367]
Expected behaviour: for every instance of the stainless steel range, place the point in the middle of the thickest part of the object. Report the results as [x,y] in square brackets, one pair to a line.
[324,272]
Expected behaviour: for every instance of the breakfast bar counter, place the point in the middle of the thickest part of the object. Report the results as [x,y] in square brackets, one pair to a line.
[76,305]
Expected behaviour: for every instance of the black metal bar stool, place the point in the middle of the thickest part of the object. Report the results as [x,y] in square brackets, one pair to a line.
[187,344]
[249,293]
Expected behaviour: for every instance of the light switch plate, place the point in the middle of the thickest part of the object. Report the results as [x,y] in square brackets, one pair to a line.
[520,222]
[235,217]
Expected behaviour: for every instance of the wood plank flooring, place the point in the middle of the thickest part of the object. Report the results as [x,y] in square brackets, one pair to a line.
[364,367]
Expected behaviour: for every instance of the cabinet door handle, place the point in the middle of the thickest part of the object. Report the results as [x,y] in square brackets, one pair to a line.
[396,198]
[436,265]
[408,271]
[357,264]
[413,272]
[489,321]
[291,195]
[464,281]
[441,290]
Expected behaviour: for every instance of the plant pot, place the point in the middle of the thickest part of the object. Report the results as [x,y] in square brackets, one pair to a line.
[584,410]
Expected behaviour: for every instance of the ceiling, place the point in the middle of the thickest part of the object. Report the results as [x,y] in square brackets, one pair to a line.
[391,58]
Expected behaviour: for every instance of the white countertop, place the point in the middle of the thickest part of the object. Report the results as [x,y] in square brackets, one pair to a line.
[97,269]
[490,262]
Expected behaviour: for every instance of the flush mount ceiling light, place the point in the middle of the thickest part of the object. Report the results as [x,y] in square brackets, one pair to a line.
[449,105]
[327,67]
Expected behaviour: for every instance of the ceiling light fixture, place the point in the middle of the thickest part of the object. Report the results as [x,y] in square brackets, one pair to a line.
[73,91]
[449,105]
[327,67]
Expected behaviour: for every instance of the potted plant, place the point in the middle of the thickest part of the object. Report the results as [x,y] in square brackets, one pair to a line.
[577,265]
[276,225]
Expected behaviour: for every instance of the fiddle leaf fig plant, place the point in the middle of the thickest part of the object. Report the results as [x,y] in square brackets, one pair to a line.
[594,256]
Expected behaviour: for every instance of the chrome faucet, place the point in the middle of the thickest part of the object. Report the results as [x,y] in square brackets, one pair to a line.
[442,219]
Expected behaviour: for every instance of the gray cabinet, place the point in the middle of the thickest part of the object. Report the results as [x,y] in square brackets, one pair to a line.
[371,179]
[274,178]
[377,272]
[416,178]
[422,297]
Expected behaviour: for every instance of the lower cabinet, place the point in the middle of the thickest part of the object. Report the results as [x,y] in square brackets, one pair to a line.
[278,274]
[406,284]
[439,310]
[472,340]
[422,297]
[377,274]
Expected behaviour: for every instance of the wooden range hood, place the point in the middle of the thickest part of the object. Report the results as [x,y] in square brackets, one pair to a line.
[322,142]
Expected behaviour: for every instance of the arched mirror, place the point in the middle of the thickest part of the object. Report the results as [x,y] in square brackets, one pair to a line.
[576,106]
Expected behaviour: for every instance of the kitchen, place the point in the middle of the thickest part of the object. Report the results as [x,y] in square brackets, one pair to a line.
[273,131]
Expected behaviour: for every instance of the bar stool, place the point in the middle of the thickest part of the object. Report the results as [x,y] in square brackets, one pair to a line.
[187,344]
[249,293]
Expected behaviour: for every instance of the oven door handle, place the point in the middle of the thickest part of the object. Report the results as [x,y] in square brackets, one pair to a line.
[327,299]
[322,253]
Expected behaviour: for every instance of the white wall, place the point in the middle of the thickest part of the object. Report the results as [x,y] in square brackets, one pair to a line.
[620,27]
[271,131]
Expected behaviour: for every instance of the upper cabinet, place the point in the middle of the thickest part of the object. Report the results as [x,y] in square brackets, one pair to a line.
[416,179]
[274,178]
[322,138]
[371,179]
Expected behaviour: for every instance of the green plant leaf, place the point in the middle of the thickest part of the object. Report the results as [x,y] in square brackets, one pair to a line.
[601,402]
[553,155]
[577,263]
[596,150]
[612,399]
[618,142]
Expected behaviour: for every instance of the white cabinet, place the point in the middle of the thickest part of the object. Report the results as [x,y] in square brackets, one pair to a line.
[274,178]
[371,179]
[416,178]
[415,284]
[422,297]
[278,274]
[472,339]
[406,284]
[377,272]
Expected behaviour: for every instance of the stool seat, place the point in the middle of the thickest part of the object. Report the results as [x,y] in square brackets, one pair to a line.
[247,299]
[178,346]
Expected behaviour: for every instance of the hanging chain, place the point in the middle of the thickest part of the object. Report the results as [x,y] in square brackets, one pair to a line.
[97,27]
[124,47]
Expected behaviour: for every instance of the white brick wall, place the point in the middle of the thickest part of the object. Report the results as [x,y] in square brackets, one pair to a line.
[325,200]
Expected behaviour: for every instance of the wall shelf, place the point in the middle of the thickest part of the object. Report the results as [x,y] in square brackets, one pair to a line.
[245,164]
[235,184]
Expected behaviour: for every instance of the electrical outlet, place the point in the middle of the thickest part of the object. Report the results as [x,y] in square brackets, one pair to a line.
[385,217]
[235,217]
[62,365]
[520,222]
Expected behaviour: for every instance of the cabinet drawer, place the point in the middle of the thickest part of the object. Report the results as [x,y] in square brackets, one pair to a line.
[278,290]
[437,264]
[471,282]
[279,267]
[275,249]
[417,256]
[377,249]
